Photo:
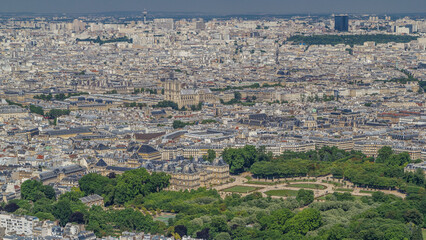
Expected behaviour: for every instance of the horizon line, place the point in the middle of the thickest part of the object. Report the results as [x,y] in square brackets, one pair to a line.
[213,14]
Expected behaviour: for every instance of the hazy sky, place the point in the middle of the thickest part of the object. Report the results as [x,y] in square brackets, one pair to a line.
[216,6]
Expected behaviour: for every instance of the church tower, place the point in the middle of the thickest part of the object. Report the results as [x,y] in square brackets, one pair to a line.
[172,89]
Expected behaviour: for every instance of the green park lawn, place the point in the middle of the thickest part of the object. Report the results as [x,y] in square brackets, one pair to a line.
[278,182]
[366,191]
[344,190]
[261,183]
[240,189]
[164,218]
[307,185]
[282,193]
[337,184]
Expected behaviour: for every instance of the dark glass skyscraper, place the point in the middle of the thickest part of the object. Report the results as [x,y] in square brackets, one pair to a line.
[341,23]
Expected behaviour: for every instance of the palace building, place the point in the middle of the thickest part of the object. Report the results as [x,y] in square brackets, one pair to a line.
[191,174]
[185,174]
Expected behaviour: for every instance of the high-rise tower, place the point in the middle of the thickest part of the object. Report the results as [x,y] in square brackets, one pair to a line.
[277,53]
[144,15]
[341,23]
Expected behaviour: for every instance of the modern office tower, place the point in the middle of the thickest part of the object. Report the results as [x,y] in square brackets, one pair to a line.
[402,29]
[78,25]
[341,23]
[164,23]
[200,25]
[277,53]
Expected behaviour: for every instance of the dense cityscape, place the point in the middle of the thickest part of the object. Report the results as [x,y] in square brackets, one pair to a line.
[267,127]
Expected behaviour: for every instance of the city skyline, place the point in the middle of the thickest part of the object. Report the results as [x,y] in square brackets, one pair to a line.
[218,7]
[212,120]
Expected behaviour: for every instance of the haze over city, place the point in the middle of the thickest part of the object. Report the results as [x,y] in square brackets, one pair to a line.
[217,7]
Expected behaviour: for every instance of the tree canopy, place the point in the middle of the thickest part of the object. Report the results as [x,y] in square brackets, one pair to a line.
[387,171]
[241,159]
[137,196]
[34,190]
[124,187]
[349,39]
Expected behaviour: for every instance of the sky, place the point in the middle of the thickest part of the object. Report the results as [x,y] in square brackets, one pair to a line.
[217,6]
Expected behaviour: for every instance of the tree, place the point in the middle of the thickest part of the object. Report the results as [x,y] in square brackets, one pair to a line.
[62,211]
[348,39]
[130,184]
[416,232]
[396,232]
[49,192]
[138,181]
[74,195]
[45,216]
[60,97]
[276,220]
[337,172]
[181,230]
[280,218]
[305,197]
[343,196]
[34,190]
[240,159]
[158,181]
[93,183]
[204,234]
[36,109]
[30,190]
[223,236]
[307,220]
[77,217]
[237,96]
[55,113]
[337,232]
[398,159]
[419,177]
[234,159]
[11,207]
[164,104]
[178,124]
[384,154]
[218,225]
[380,197]
[211,155]
[197,107]
[414,216]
